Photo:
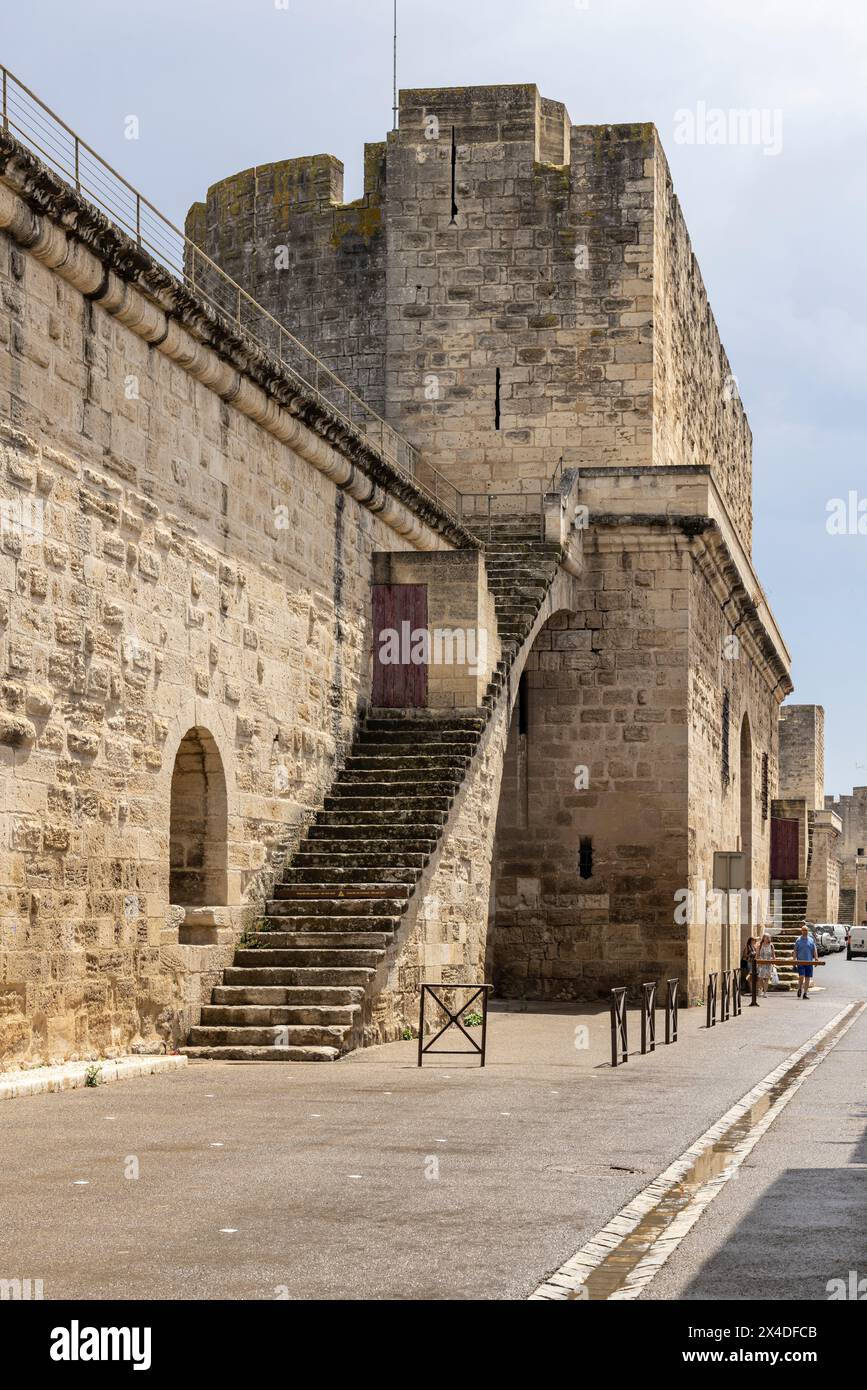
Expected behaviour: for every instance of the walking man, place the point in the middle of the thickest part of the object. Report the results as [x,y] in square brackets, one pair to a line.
[805,958]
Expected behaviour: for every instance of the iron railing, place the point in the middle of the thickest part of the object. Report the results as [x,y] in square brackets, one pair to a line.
[514,512]
[47,135]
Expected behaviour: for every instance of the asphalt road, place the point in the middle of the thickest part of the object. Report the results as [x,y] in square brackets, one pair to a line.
[795,1219]
[371,1179]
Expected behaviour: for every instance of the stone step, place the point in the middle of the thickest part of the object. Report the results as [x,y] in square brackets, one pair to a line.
[350,897]
[284,1035]
[264,958]
[376,837]
[428,820]
[409,765]
[311,940]
[360,787]
[397,719]
[350,801]
[324,921]
[331,975]
[388,851]
[317,858]
[278,1015]
[296,996]
[261,1054]
[337,907]
[346,869]
[425,742]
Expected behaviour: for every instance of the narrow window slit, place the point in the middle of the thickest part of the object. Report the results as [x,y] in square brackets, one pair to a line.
[585,856]
[523,705]
[454,176]
[497,400]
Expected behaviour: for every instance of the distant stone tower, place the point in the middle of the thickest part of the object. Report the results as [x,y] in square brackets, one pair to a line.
[509,291]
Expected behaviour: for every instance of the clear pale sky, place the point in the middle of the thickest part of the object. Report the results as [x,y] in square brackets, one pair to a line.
[219,85]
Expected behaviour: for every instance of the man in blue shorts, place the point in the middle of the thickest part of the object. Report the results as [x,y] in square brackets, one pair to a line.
[805,959]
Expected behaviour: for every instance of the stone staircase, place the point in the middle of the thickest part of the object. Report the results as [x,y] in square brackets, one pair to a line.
[297,990]
[846,913]
[793,914]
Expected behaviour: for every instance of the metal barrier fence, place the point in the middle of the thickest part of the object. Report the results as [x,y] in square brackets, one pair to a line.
[725,985]
[454,1021]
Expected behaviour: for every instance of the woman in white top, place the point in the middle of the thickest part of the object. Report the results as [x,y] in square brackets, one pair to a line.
[766,956]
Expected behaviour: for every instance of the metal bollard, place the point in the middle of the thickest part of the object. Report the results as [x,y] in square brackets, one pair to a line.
[648,1017]
[711,999]
[754,982]
[671,1011]
[619,1043]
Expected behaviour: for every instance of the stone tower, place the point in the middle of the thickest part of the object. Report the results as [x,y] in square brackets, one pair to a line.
[510,290]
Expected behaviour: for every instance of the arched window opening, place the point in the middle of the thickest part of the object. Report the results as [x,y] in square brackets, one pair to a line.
[198,828]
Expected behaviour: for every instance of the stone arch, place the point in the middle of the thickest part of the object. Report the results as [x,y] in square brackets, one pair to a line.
[546,851]
[198,828]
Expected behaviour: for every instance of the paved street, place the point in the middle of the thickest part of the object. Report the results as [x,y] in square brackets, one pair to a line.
[371,1179]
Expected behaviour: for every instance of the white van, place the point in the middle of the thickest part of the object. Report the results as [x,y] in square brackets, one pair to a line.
[857,943]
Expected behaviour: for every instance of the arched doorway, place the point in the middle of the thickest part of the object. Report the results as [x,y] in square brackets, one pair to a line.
[198,825]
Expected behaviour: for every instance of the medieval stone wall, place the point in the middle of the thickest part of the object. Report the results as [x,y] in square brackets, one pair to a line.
[598,764]
[166,565]
[316,263]
[698,416]
[852,810]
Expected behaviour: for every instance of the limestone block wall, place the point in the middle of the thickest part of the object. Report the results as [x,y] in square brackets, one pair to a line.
[698,416]
[591,843]
[167,564]
[823,883]
[802,754]
[284,232]
[852,811]
[733,771]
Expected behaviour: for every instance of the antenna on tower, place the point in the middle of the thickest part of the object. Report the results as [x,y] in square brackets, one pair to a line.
[394,107]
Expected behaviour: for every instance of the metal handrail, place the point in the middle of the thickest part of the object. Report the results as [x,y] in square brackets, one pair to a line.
[59,146]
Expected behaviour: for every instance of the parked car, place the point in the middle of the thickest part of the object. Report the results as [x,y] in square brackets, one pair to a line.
[841,934]
[826,932]
[856,944]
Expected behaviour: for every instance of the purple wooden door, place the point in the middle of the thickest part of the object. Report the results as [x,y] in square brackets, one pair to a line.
[400,646]
[784,848]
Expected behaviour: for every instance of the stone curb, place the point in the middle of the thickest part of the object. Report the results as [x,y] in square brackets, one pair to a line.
[70,1076]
